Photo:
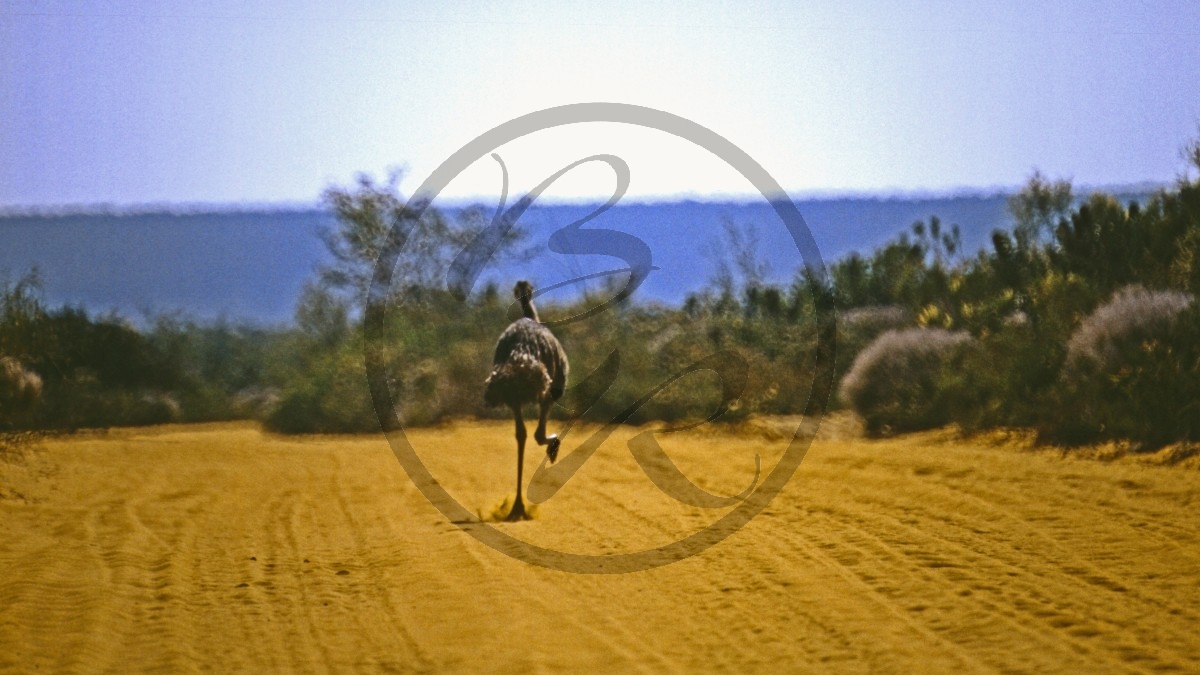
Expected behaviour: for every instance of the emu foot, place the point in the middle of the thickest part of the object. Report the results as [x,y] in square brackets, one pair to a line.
[517,513]
[552,444]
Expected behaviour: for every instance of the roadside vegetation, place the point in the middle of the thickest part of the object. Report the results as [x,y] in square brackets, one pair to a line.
[1079,321]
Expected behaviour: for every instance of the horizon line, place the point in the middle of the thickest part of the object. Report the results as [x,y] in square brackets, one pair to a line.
[182,208]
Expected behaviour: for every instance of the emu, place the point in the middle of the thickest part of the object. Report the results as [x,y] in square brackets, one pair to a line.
[529,366]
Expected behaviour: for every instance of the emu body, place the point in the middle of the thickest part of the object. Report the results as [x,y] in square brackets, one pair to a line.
[529,366]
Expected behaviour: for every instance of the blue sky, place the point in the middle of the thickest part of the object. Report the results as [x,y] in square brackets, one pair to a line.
[216,102]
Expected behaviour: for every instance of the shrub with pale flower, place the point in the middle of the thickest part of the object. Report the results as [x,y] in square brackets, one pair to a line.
[19,388]
[1133,316]
[1133,370]
[894,383]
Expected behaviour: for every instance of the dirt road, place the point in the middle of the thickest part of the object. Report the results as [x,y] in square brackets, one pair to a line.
[220,548]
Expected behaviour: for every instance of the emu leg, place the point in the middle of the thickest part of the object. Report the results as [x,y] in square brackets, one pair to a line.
[518,509]
[540,436]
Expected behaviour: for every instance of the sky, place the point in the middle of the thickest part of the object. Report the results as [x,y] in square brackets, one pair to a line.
[128,103]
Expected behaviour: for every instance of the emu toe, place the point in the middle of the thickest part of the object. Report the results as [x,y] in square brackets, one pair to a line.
[552,444]
[517,513]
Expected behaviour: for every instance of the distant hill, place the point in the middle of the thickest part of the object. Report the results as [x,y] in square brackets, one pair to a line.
[251,265]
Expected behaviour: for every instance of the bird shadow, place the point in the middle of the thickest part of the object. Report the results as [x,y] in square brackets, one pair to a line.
[499,512]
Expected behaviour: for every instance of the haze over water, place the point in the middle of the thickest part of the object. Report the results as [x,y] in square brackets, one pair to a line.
[251,265]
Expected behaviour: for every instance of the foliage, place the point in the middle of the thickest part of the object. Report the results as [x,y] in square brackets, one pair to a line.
[1077,321]
[1133,370]
[19,389]
[1038,208]
[103,371]
[894,382]
[372,219]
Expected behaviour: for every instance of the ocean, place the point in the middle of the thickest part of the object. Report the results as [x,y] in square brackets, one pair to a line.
[250,265]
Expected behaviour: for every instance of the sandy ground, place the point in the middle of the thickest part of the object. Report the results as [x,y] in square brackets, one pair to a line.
[220,548]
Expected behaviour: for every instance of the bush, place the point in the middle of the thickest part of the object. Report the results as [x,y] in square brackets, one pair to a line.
[859,327]
[83,403]
[1004,379]
[1110,336]
[330,397]
[894,383]
[1133,371]
[19,389]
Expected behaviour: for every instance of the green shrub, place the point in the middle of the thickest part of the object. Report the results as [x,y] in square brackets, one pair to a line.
[330,396]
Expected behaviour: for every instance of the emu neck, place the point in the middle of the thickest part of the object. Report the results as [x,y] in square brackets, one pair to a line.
[527,309]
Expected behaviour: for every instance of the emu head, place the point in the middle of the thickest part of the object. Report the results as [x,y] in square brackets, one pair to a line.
[523,291]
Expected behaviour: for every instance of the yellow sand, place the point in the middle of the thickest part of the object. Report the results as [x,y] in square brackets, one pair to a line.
[221,548]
